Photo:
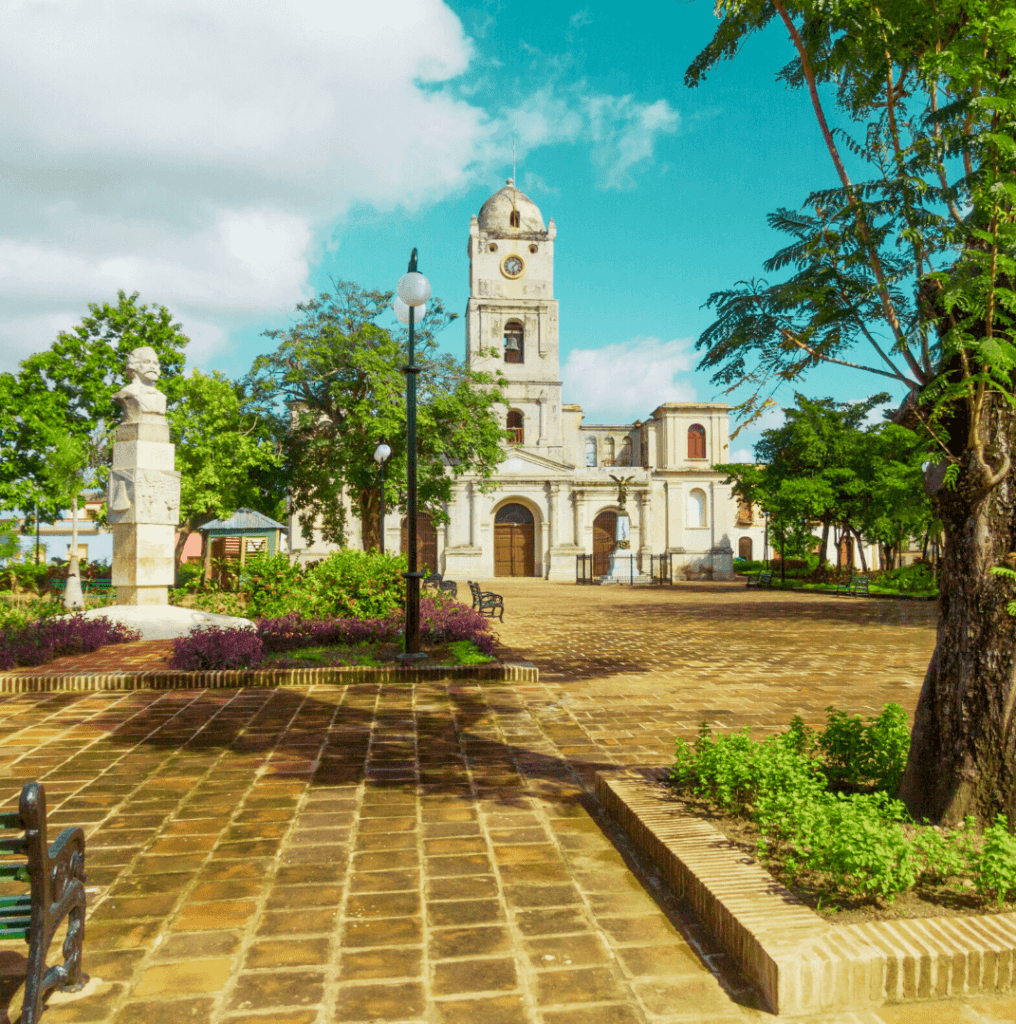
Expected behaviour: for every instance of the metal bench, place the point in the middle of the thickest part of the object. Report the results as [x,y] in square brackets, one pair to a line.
[56,875]
[855,586]
[486,602]
[99,586]
[763,579]
[442,585]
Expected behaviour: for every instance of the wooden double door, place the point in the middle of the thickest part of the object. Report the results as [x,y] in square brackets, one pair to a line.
[514,541]
[604,539]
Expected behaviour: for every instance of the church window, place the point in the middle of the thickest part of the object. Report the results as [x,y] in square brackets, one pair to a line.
[697,508]
[492,247]
[533,248]
[514,342]
[696,441]
[515,220]
[744,548]
[625,459]
[516,430]
[608,452]
[590,451]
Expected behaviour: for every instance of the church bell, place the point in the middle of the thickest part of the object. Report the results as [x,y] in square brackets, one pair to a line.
[511,343]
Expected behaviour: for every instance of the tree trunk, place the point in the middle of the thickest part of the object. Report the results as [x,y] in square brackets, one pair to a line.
[73,598]
[181,541]
[783,557]
[963,744]
[825,542]
[860,549]
[370,518]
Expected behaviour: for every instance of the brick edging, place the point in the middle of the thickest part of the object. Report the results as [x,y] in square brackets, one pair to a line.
[801,962]
[163,679]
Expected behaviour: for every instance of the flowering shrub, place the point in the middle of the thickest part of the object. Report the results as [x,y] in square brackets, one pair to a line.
[211,649]
[34,643]
[292,633]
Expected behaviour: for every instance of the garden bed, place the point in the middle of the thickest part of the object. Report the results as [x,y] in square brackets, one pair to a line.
[814,888]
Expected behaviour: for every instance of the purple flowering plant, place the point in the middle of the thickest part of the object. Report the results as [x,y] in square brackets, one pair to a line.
[35,643]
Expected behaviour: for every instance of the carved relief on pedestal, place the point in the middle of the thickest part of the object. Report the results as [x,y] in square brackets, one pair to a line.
[143,496]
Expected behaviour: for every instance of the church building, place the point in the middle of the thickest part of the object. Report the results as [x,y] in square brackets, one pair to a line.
[554,497]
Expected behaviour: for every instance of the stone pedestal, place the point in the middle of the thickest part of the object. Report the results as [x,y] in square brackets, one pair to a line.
[623,567]
[143,503]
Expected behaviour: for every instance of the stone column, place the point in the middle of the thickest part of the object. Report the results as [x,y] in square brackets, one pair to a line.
[554,512]
[474,515]
[577,498]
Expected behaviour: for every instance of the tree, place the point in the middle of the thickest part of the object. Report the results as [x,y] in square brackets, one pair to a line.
[68,389]
[895,267]
[227,453]
[338,375]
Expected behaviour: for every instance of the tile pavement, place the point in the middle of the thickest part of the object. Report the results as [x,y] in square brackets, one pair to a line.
[432,852]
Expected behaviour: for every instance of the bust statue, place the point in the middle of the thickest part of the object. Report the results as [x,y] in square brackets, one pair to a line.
[141,396]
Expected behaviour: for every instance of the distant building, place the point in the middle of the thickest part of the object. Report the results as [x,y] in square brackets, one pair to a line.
[554,497]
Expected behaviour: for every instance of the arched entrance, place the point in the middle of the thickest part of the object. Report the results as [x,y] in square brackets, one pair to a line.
[426,542]
[604,539]
[514,541]
[744,548]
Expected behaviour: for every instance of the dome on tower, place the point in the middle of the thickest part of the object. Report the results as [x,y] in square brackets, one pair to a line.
[496,212]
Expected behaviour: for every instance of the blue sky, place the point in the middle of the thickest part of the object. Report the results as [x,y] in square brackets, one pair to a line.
[232,168]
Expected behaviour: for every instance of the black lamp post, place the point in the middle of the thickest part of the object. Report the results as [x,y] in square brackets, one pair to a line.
[414,290]
[381,455]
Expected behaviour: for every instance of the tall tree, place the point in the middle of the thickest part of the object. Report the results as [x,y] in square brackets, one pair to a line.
[69,389]
[894,268]
[338,376]
[227,453]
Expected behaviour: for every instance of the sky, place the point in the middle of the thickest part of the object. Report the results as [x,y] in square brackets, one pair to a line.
[228,160]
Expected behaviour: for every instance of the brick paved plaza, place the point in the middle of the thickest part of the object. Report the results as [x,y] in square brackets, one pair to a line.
[432,852]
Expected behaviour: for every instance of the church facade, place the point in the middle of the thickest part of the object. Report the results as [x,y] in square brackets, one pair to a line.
[554,497]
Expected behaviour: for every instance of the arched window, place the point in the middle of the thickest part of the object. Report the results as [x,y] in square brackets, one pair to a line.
[696,441]
[608,452]
[744,548]
[516,431]
[514,219]
[625,459]
[514,342]
[697,508]
[590,451]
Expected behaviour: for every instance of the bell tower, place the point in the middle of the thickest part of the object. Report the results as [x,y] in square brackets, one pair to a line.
[512,311]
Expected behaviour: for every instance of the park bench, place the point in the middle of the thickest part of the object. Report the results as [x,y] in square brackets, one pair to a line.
[763,579]
[486,602]
[855,586]
[438,582]
[56,875]
[99,586]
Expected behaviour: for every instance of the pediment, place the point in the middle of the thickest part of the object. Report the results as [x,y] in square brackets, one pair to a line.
[528,463]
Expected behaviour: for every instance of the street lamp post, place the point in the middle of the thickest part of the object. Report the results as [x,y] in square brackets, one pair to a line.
[414,290]
[381,455]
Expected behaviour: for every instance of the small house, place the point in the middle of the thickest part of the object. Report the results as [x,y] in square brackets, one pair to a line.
[231,541]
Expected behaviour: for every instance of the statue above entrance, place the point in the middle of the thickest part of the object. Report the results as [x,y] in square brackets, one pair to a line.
[622,489]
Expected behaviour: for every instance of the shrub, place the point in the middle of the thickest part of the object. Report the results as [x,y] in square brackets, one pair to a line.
[211,649]
[42,640]
[791,563]
[857,839]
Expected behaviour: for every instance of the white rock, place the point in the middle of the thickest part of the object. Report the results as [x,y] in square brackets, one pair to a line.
[165,622]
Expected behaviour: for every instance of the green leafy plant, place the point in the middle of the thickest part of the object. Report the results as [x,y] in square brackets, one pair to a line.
[997,862]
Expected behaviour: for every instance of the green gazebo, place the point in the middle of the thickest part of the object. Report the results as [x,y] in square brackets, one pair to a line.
[244,533]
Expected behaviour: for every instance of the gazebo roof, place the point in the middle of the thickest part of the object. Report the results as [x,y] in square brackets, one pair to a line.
[244,519]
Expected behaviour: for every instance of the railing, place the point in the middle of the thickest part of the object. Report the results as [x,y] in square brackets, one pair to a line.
[661,568]
[583,568]
[516,435]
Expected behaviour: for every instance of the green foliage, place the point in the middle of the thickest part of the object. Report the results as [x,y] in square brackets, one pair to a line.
[858,840]
[335,388]
[67,392]
[347,584]
[997,864]
[229,455]
[872,754]
[10,546]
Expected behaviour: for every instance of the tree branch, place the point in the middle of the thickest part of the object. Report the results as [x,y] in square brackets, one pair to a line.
[788,336]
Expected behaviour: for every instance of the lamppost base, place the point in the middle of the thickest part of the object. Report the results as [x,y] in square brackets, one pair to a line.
[418,656]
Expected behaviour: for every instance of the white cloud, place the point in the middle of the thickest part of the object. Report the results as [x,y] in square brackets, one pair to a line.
[624,382]
[198,152]
[190,150]
[742,455]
